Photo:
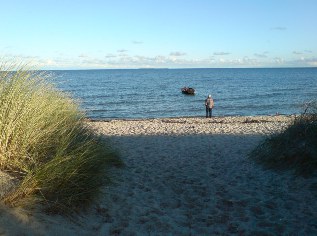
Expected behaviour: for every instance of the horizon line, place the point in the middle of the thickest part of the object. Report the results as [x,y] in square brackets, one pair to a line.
[184,68]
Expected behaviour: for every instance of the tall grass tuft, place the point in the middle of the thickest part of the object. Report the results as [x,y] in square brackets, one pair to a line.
[45,144]
[294,148]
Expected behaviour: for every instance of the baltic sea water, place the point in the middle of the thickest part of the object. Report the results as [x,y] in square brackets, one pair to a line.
[156,93]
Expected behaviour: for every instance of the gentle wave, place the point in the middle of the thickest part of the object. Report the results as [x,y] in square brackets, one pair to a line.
[156,93]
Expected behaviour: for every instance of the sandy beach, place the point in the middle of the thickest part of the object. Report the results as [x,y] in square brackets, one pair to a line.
[185,176]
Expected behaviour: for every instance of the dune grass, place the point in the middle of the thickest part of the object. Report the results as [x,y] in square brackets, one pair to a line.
[45,144]
[293,149]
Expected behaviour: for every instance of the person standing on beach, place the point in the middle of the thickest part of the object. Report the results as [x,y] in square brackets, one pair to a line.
[209,103]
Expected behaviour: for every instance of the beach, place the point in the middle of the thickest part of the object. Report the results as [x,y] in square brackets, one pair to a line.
[185,176]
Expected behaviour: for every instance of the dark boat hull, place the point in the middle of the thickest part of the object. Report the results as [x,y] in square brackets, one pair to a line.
[189,91]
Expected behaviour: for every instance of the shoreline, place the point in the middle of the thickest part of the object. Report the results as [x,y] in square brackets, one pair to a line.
[186,117]
[192,125]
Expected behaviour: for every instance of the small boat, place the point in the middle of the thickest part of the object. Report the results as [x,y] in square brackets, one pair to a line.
[187,90]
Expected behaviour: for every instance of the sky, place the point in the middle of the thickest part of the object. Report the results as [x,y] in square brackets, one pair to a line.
[98,34]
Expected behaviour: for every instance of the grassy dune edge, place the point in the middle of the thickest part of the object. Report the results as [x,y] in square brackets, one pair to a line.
[295,148]
[45,145]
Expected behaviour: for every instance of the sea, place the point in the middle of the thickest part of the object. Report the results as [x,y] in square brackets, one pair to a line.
[156,93]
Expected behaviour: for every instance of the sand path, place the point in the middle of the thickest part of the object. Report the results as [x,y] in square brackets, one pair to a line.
[188,177]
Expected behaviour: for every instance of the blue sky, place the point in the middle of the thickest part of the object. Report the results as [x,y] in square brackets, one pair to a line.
[69,34]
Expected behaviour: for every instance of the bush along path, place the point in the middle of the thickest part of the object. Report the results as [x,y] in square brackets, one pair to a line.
[293,149]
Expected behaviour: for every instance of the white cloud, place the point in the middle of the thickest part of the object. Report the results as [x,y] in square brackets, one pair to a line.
[221,53]
[278,60]
[260,55]
[177,54]
[311,61]
[83,55]
[302,52]
[110,55]
[123,55]
[122,50]
[297,53]
[125,60]
[137,42]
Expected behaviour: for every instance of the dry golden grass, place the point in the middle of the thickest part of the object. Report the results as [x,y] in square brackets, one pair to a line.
[44,142]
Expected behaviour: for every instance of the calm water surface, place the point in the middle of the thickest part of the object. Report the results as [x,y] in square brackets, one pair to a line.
[152,93]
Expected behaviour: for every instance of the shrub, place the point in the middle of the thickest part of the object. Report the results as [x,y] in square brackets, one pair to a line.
[294,148]
[45,144]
